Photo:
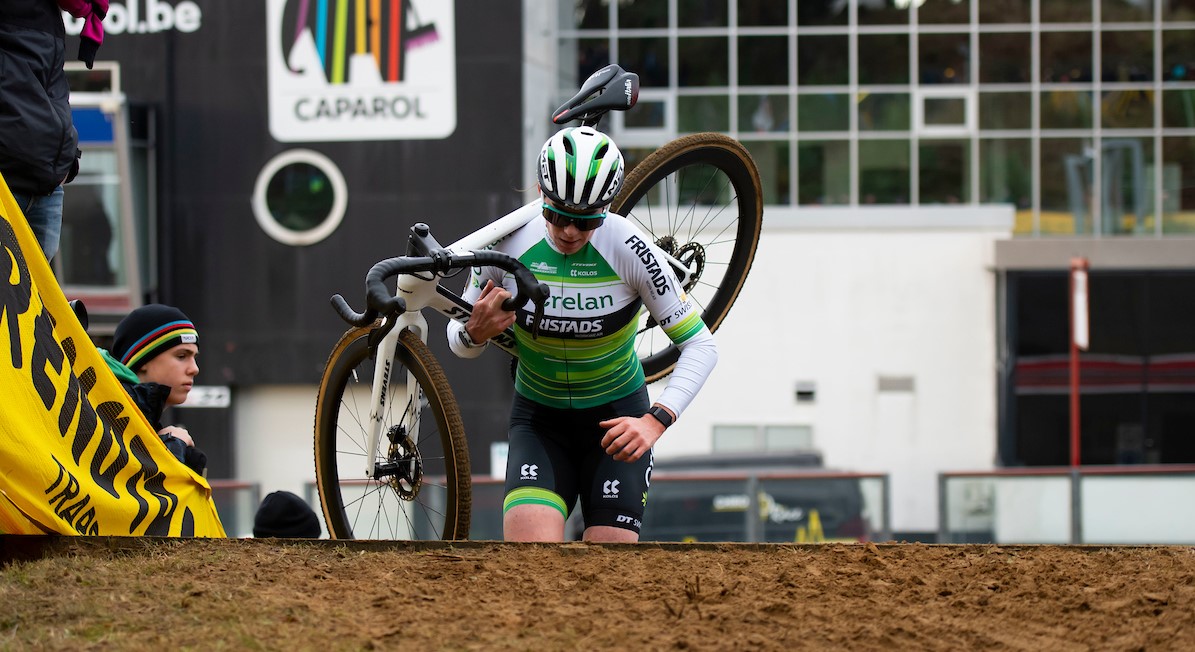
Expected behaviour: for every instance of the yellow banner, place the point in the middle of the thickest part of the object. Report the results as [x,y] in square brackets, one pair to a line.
[76,455]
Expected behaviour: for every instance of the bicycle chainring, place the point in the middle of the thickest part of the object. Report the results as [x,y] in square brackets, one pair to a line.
[693,256]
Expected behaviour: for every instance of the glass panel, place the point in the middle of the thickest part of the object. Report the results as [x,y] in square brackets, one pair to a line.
[1066,174]
[883,58]
[787,438]
[96,80]
[703,113]
[955,12]
[945,171]
[646,115]
[827,112]
[884,112]
[1127,56]
[884,12]
[1066,110]
[1066,11]
[1178,109]
[1006,175]
[944,58]
[1127,109]
[90,249]
[646,56]
[300,196]
[1178,185]
[1005,110]
[703,61]
[884,171]
[819,12]
[763,113]
[736,438]
[1065,57]
[772,157]
[1125,11]
[767,13]
[763,60]
[642,14]
[1178,55]
[822,60]
[702,13]
[945,111]
[1005,11]
[633,155]
[1004,58]
[1176,10]
[585,14]
[593,54]
[1128,186]
[824,172]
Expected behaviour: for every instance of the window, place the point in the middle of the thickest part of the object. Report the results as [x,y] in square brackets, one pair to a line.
[883,59]
[920,101]
[300,197]
[728,438]
[1065,57]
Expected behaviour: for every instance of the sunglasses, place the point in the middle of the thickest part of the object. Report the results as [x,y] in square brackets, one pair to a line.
[563,218]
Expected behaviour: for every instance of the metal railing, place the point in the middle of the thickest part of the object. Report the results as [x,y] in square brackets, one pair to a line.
[776,507]
[1145,504]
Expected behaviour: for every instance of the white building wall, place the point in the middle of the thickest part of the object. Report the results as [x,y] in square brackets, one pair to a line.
[845,307]
[275,437]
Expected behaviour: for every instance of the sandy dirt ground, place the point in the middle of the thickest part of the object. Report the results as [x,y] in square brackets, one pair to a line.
[100,594]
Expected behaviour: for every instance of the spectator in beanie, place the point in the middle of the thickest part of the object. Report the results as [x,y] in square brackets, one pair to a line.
[153,355]
[286,516]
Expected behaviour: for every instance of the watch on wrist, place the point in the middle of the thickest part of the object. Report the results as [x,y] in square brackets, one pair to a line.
[468,341]
[661,415]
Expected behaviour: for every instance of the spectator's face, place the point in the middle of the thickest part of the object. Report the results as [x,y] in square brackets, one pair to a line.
[176,368]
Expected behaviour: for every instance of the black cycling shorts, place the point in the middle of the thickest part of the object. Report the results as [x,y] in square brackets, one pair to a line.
[556,457]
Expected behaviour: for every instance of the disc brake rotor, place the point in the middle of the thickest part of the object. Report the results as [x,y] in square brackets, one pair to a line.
[403,468]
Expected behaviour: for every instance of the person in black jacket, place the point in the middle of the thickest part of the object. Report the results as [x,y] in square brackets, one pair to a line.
[153,355]
[39,147]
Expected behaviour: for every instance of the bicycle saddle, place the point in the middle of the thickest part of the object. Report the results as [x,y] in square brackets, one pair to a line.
[608,89]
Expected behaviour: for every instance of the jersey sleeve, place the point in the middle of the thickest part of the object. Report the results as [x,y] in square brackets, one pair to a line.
[679,317]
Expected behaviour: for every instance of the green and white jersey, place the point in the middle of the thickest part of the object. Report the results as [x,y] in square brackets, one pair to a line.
[584,355]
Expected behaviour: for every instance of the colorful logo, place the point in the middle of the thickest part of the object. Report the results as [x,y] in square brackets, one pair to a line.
[348,70]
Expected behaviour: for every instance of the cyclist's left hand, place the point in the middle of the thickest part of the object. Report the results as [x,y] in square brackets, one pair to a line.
[629,438]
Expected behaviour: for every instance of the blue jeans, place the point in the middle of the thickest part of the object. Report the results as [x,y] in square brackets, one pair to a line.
[44,215]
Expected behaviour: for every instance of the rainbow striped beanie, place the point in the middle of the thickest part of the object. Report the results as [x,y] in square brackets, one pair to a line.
[150,330]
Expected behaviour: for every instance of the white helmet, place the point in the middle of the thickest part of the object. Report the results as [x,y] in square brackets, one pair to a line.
[580,168]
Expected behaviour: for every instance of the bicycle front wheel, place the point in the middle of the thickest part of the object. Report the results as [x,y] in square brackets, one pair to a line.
[418,484]
[699,197]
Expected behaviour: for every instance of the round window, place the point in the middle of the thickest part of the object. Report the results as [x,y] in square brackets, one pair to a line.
[300,197]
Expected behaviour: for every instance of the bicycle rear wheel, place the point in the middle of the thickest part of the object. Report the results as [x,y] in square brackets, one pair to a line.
[420,486]
[699,197]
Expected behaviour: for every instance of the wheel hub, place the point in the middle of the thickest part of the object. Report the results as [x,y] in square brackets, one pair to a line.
[403,468]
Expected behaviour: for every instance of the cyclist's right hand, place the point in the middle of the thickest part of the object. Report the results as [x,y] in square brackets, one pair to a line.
[488,317]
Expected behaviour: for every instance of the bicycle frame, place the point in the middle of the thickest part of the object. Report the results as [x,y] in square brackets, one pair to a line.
[421,292]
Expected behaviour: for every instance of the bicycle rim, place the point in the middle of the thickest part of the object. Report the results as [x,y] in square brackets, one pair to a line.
[699,198]
[421,483]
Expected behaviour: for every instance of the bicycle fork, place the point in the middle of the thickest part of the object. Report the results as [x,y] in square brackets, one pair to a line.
[383,363]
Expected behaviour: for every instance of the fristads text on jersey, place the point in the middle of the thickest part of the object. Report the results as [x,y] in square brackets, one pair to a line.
[659,279]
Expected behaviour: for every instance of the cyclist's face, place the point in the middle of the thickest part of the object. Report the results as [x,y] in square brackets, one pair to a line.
[565,231]
[176,368]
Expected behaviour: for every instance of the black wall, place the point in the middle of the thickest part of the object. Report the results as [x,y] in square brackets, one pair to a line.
[262,306]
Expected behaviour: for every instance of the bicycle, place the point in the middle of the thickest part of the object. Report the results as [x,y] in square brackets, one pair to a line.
[391,455]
